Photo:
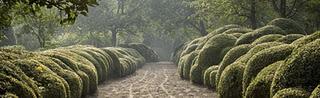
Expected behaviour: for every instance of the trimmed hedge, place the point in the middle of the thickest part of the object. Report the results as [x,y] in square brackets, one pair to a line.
[292,93]
[149,54]
[267,38]
[288,25]
[288,39]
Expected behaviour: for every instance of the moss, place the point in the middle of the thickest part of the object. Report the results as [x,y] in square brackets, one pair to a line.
[260,86]
[9,69]
[9,84]
[267,38]
[231,56]
[210,55]
[316,92]
[262,59]
[230,82]
[50,85]
[248,38]
[300,69]
[292,93]
[149,54]
[288,39]
[73,80]
[206,76]
[237,30]
[306,39]
[288,25]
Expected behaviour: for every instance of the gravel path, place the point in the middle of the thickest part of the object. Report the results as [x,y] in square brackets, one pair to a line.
[154,80]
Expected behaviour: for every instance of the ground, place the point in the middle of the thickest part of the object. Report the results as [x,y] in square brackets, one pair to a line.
[153,80]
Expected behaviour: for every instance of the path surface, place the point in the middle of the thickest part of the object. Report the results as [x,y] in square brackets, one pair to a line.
[154,80]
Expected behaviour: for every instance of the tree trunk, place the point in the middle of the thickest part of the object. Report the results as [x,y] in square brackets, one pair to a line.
[283,8]
[114,38]
[253,12]
[202,28]
[10,36]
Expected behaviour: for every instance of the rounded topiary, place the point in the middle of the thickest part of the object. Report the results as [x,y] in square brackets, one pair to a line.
[206,76]
[115,63]
[103,62]
[231,56]
[210,55]
[260,86]
[212,78]
[288,25]
[9,95]
[316,92]
[292,93]
[9,84]
[301,69]
[237,35]
[267,38]
[262,59]
[50,85]
[237,30]
[306,39]
[288,39]
[248,38]
[149,54]
[223,29]
[230,82]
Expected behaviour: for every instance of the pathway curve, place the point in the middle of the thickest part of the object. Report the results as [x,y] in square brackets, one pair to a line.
[154,80]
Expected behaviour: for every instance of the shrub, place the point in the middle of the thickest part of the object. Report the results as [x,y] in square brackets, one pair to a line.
[223,29]
[230,82]
[292,93]
[206,76]
[301,69]
[212,78]
[48,82]
[262,59]
[149,54]
[288,39]
[316,92]
[210,55]
[288,25]
[232,56]
[9,84]
[260,86]
[248,38]
[306,39]
[9,95]
[237,30]
[267,38]
[115,63]
[237,35]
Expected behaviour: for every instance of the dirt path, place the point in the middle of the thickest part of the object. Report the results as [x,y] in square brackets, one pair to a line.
[154,80]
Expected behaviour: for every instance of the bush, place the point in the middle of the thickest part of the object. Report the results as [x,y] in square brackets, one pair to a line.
[301,69]
[206,76]
[223,29]
[262,59]
[316,92]
[237,35]
[288,39]
[260,86]
[50,85]
[237,30]
[292,93]
[115,71]
[288,25]
[267,38]
[248,38]
[230,82]
[232,56]
[188,64]
[210,55]
[9,84]
[212,78]
[149,54]
[9,95]
[306,39]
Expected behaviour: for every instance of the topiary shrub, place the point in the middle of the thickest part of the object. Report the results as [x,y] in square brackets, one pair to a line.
[50,85]
[237,30]
[149,54]
[301,69]
[230,82]
[260,86]
[306,39]
[115,71]
[9,84]
[212,78]
[292,93]
[248,38]
[316,92]
[288,39]
[210,55]
[206,76]
[288,25]
[262,59]
[267,38]
[237,35]
[9,95]
[223,29]
[231,56]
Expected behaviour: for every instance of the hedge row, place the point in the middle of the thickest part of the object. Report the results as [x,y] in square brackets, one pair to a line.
[275,61]
[66,72]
